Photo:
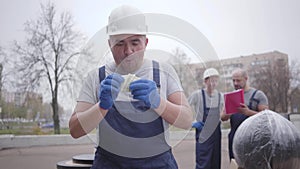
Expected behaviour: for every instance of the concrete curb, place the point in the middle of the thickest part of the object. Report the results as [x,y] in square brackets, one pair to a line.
[12,141]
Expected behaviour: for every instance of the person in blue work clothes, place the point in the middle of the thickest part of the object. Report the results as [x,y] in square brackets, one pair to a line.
[131,100]
[208,103]
[255,101]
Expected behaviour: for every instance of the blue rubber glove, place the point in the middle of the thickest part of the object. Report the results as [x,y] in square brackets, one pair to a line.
[198,125]
[146,91]
[109,90]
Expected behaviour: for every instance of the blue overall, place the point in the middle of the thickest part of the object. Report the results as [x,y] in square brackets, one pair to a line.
[132,136]
[208,153]
[236,120]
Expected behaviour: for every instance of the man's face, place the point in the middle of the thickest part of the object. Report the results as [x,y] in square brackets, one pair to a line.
[128,51]
[239,81]
[211,82]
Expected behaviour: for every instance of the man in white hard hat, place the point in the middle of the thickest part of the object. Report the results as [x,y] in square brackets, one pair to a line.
[132,120]
[255,101]
[208,103]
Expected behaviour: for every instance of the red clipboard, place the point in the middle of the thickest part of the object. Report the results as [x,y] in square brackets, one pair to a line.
[233,100]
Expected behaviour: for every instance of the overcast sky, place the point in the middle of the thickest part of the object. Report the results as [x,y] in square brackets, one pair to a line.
[233,27]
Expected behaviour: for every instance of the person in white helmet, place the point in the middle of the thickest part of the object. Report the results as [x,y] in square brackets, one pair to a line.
[131,101]
[207,104]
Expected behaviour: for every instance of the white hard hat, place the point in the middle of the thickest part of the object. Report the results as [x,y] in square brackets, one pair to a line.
[126,20]
[210,72]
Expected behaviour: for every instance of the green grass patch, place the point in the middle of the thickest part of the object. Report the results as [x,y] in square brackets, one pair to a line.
[32,131]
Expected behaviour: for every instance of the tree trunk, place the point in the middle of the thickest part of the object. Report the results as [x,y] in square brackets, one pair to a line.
[55,115]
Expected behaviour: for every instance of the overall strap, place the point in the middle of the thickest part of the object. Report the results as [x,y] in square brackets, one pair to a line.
[204,100]
[101,73]
[252,98]
[219,94]
[156,76]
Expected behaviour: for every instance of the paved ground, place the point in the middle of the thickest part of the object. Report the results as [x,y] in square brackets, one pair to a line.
[46,157]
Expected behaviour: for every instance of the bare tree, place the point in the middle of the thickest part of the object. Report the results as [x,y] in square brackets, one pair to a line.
[1,81]
[274,80]
[3,74]
[1,70]
[180,61]
[294,97]
[48,54]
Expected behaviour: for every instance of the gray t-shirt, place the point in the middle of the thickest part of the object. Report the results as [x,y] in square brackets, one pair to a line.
[196,101]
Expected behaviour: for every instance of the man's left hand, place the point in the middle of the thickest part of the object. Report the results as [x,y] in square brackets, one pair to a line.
[146,91]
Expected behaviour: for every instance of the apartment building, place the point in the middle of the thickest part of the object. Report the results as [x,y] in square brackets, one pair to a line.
[254,64]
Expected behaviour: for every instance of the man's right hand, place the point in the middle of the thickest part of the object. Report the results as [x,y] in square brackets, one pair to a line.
[109,90]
